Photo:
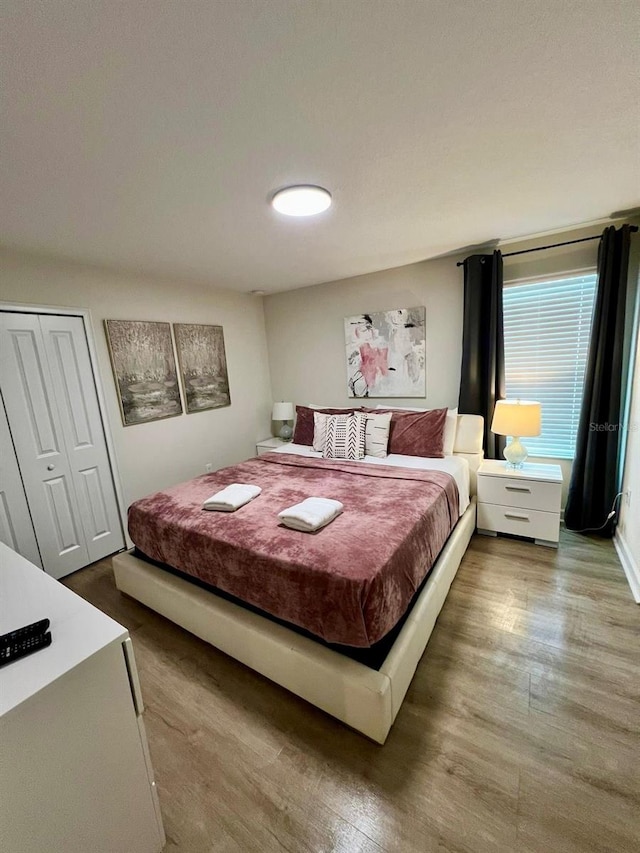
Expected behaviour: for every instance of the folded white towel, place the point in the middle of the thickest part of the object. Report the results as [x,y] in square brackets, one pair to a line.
[232,498]
[311,514]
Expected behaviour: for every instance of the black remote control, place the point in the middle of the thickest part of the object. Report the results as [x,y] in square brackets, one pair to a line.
[24,647]
[33,630]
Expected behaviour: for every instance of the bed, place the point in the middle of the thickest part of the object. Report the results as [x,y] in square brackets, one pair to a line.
[340,617]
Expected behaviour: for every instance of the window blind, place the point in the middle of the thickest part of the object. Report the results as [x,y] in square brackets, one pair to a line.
[547,326]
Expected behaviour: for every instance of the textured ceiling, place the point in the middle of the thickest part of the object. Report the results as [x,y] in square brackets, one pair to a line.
[150,135]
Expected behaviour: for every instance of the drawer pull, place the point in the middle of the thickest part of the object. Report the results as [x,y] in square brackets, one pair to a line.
[518,489]
[516,516]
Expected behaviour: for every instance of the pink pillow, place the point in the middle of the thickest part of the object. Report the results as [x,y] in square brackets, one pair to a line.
[417,433]
[303,432]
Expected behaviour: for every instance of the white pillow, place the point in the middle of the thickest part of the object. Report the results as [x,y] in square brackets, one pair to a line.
[450,425]
[345,437]
[377,434]
[402,408]
[319,430]
[341,408]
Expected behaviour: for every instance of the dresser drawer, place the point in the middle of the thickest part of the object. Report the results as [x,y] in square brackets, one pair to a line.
[521,522]
[517,492]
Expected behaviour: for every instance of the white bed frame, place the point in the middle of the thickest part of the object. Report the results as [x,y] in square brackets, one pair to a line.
[365,699]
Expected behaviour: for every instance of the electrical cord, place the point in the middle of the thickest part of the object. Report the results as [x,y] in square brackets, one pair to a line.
[608,519]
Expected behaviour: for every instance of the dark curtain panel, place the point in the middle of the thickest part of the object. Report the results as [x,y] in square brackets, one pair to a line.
[482,374]
[594,479]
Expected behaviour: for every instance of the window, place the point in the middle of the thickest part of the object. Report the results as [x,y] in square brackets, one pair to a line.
[547,325]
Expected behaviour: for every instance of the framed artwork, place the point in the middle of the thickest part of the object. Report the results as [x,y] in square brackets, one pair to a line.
[144,369]
[203,366]
[386,353]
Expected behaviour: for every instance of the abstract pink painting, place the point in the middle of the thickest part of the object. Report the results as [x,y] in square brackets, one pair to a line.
[386,353]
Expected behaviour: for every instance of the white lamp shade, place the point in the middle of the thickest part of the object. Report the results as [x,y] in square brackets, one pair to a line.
[282,412]
[516,417]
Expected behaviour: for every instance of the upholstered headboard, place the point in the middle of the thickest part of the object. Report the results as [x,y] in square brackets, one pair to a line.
[468,444]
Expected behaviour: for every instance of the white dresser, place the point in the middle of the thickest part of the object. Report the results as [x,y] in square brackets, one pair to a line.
[523,501]
[75,776]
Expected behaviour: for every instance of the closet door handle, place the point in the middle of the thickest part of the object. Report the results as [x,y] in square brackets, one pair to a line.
[50,467]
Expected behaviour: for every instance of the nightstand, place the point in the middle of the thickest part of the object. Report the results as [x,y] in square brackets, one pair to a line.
[268,445]
[522,501]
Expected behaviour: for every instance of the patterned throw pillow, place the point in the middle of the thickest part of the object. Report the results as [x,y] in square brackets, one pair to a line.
[320,430]
[345,437]
[377,437]
[303,432]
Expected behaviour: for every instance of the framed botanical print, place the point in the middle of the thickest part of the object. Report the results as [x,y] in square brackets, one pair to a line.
[144,369]
[203,366]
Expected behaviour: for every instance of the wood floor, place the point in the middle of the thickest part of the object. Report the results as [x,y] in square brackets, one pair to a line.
[519,733]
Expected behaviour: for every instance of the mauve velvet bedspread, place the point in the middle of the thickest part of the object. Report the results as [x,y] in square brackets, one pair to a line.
[348,583]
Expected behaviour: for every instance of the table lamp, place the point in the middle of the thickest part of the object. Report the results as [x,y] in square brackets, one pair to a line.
[516,418]
[283,412]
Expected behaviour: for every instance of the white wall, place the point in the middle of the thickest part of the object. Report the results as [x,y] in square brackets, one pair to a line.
[305,331]
[154,455]
[628,531]
[629,524]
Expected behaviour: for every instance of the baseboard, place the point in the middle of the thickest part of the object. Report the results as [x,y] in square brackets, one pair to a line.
[629,565]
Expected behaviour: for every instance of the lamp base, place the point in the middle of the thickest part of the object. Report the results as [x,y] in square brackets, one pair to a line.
[515,453]
[286,432]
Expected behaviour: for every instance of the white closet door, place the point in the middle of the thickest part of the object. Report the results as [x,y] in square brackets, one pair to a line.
[37,434]
[16,529]
[75,394]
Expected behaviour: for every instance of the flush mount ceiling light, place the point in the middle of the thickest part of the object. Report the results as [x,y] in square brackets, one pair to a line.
[301,200]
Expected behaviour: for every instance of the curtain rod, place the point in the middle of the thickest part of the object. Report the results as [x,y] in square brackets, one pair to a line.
[632,228]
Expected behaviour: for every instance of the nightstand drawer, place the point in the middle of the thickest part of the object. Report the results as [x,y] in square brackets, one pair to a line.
[522,522]
[516,492]
[268,445]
